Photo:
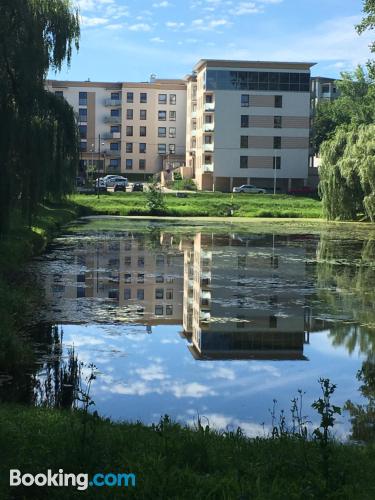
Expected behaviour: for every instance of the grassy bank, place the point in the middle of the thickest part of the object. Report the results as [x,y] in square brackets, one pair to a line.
[204,204]
[18,296]
[172,462]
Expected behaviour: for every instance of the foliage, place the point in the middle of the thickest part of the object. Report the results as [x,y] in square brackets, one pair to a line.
[347,173]
[184,184]
[155,200]
[38,140]
[326,410]
[368,22]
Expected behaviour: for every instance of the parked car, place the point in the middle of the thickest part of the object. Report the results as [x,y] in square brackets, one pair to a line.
[118,179]
[119,187]
[249,188]
[106,178]
[100,182]
[304,191]
[137,186]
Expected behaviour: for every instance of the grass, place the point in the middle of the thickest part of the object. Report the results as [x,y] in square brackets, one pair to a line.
[204,204]
[175,462]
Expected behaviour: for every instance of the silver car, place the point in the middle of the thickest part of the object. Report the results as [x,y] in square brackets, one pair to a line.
[116,181]
[249,188]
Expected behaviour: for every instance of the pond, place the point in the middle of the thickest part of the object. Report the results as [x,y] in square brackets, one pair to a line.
[200,320]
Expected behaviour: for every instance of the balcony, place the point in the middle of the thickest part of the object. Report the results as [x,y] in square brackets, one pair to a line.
[193,114]
[208,127]
[194,132]
[112,102]
[112,136]
[208,147]
[208,168]
[204,316]
[115,120]
[209,106]
[113,153]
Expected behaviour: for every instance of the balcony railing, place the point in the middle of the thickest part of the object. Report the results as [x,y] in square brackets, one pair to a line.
[208,167]
[114,153]
[193,114]
[112,102]
[208,147]
[112,135]
[208,127]
[194,132]
[112,119]
[209,106]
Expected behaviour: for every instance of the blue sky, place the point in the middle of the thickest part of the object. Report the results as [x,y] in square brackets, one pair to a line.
[128,40]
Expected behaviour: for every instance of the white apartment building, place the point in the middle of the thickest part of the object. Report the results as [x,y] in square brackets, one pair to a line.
[246,119]
[127,128]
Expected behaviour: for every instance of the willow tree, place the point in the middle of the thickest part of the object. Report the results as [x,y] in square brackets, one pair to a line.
[38,138]
[347,173]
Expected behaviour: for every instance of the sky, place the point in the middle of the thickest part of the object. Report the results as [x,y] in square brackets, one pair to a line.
[128,40]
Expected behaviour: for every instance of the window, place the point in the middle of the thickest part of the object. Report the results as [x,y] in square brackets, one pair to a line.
[129,130]
[129,97]
[160,260]
[114,146]
[142,147]
[83,146]
[82,113]
[277,142]
[81,292]
[208,118]
[115,112]
[128,260]
[127,293]
[140,294]
[113,294]
[59,93]
[169,310]
[159,293]
[115,96]
[274,262]
[143,114]
[273,322]
[115,129]
[277,122]
[172,116]
[169,294]
[257,80]
[159,310]
[243,162]
[244,121]
[82,131]
[172,148]
[159,278]
[245,100]
[143,97]
[162,99]
[129,164]
[325,89]
[114,163]
[142,131]
[172,132]
[82,98]
[162,132]
[162,149]
[172,99]
[142,164]
[208,139]
[129,114]
[129,147]
[128,278]
[277,162]
[209,98]
[141,261]
[244,141]
[141,278]
[162,115]
[278,101]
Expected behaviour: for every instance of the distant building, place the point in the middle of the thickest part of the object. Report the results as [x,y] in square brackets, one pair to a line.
[323,89]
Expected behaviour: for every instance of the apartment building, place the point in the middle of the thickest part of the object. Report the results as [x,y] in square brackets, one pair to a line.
[128,128]
[323,89]
[248,122]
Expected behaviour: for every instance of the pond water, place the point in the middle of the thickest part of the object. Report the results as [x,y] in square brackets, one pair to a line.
[201,320]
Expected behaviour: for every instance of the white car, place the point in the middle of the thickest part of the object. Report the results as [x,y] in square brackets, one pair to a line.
[116,180]
[249,188]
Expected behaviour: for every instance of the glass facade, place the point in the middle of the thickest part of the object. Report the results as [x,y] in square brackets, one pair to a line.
[257,80]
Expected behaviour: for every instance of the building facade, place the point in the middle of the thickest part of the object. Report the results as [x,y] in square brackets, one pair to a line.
[127,128]
[246,120]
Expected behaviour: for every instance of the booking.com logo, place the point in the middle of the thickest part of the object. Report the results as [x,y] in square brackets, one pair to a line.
[63,479]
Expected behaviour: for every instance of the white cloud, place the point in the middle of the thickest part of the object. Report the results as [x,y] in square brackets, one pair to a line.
[163,4]
[93,21]
[152,372]
[174,24]
[157,39]
[114,26]
[140,27]
[244,8]
[208,24]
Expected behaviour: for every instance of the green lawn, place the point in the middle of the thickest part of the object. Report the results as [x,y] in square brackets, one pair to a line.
[204,204]
[173,462]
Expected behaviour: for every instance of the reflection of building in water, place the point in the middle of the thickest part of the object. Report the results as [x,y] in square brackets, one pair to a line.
[242,298]
[143,282]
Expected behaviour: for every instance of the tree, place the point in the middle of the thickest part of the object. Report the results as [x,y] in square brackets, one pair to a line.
[38,136]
